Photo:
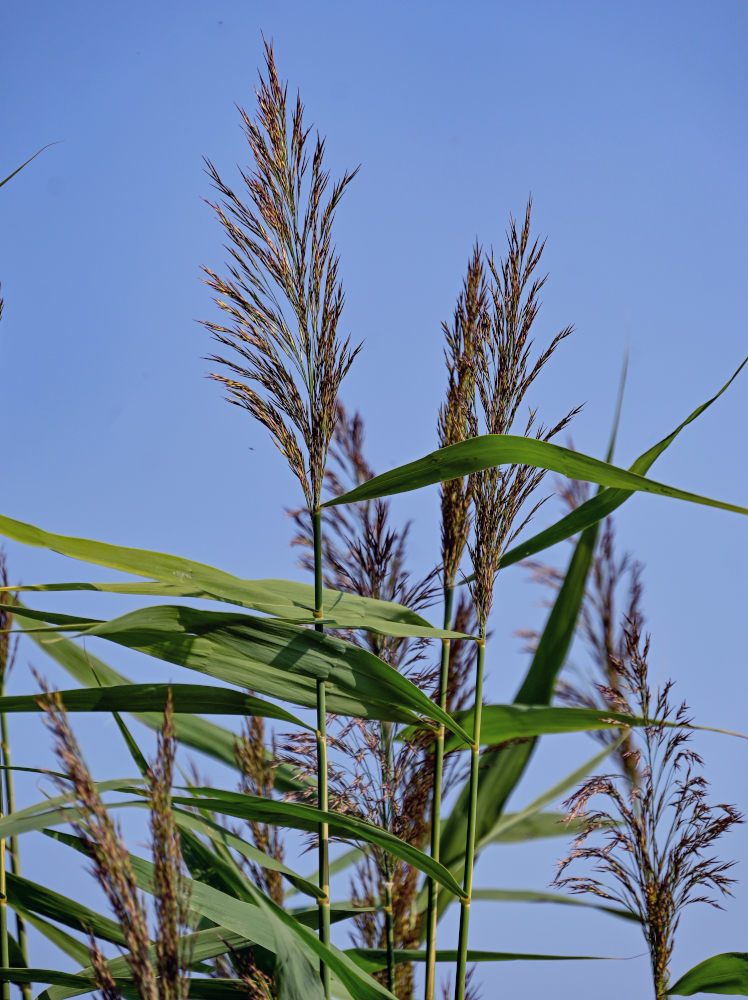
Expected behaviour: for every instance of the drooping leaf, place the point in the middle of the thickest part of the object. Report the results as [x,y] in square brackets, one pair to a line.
[146,697]
[300,816]
[259,925]
[282,661]
[175,576]
[28,897]
[725,974]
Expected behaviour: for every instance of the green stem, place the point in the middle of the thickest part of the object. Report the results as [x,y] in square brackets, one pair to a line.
[15,863]
[4,953]
[432,914]
[385,743]
[472,822]
[322,790]
[389,931]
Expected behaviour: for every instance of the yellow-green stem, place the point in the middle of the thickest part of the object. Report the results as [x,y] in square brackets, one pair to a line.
[322,790]
[385,744]
[15,862]
[389,932]
[4,953]
[467,885]
[436,807]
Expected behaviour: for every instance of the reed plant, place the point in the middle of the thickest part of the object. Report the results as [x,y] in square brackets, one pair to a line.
[649,846]
[355,648]
[283,300]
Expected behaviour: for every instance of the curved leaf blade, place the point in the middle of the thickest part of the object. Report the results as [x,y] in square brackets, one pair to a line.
[488,450]
[186,698]
[300,816]
[726,974]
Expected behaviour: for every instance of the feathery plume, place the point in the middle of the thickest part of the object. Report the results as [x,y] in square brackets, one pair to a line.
[282,297]
[654,856]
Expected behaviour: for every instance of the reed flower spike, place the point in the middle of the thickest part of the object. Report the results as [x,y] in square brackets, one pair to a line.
[282,298]
[656,837]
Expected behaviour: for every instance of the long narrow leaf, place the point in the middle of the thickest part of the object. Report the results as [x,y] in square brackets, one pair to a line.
[259,925]
[300,816]
[490,450]
[282,661]
[145,697]
[726,974]
[607,500]
[284,599]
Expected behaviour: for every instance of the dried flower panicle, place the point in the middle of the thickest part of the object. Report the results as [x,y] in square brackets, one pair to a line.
[282,297]
[656,837]
[503,377]
[167,977]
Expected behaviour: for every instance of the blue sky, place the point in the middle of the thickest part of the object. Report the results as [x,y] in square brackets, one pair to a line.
[627,124]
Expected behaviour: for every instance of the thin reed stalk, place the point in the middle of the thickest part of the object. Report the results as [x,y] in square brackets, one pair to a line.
[436,803]
[500,495]
[4,951]
[282,300]
[468,328]
[9,849]
[467,883]
[322,773]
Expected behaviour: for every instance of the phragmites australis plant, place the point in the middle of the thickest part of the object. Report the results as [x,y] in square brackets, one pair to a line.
[501,495]
[649,844]
[159,971]
[407,723]
[282,301]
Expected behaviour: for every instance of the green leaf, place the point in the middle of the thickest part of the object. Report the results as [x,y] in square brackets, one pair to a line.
[281,661]
[374,959]
[259,925]
[608,500]
[726,973]
[147,697]
[510,722]
[208,826]
[527,896]
[90,670]
[284,599]
[19,169]
[29,898]
[490,450]
[300,816]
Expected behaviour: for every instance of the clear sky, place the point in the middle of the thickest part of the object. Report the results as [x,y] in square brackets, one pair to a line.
[626,122]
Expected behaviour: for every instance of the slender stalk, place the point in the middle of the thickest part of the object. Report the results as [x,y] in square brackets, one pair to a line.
[436,808]
[385,742]
[389,929]
[4,953]
[322,789]
[15,863]
[472,822]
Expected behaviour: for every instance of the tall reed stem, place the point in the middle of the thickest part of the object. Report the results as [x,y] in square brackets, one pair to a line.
[15,863]
[322,789]
[385,743]
[436,808]
[4,953]
[472,821]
